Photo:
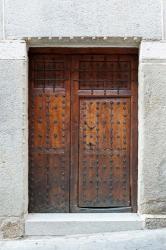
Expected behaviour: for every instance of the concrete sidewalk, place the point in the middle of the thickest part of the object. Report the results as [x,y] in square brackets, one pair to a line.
[133,240]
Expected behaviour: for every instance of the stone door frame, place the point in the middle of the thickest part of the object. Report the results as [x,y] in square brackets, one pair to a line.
[14,134]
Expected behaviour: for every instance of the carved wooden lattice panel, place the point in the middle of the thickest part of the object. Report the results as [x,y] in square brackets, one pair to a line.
[104,73]
[48,137]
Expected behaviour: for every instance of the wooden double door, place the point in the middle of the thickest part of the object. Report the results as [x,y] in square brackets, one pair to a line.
[82,130]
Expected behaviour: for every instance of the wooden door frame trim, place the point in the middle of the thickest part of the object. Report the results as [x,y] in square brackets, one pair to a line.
[72,51]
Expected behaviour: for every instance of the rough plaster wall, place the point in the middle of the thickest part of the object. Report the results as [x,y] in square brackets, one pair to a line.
[13,134]
[152,221]
[83,18]
[152,128]
[11,227]
[1,19]
[164,18]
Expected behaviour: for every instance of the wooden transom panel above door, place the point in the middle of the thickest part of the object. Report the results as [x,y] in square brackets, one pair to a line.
[83,130]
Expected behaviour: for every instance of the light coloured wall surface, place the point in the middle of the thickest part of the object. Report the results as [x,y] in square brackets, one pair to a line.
[12,98]
[13,134]
[152,128]
[164,17]
[153,52]
[1,19]
[13,137]
[83,18]
[135,240]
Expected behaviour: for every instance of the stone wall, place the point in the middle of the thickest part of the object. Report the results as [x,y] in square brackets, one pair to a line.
[20,20]
[13,136]
[152,128]
[164,18]
[1,19]
[42,18]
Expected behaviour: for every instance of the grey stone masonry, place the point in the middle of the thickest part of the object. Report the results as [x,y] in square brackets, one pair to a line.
[13,136]
[152,128]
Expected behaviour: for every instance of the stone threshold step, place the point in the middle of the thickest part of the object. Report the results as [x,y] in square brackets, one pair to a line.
[78,223]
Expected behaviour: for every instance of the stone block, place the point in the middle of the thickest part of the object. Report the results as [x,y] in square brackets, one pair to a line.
[68,224]
[153,51]
[13,130]
[152,132]
[154,221]
[11,228]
